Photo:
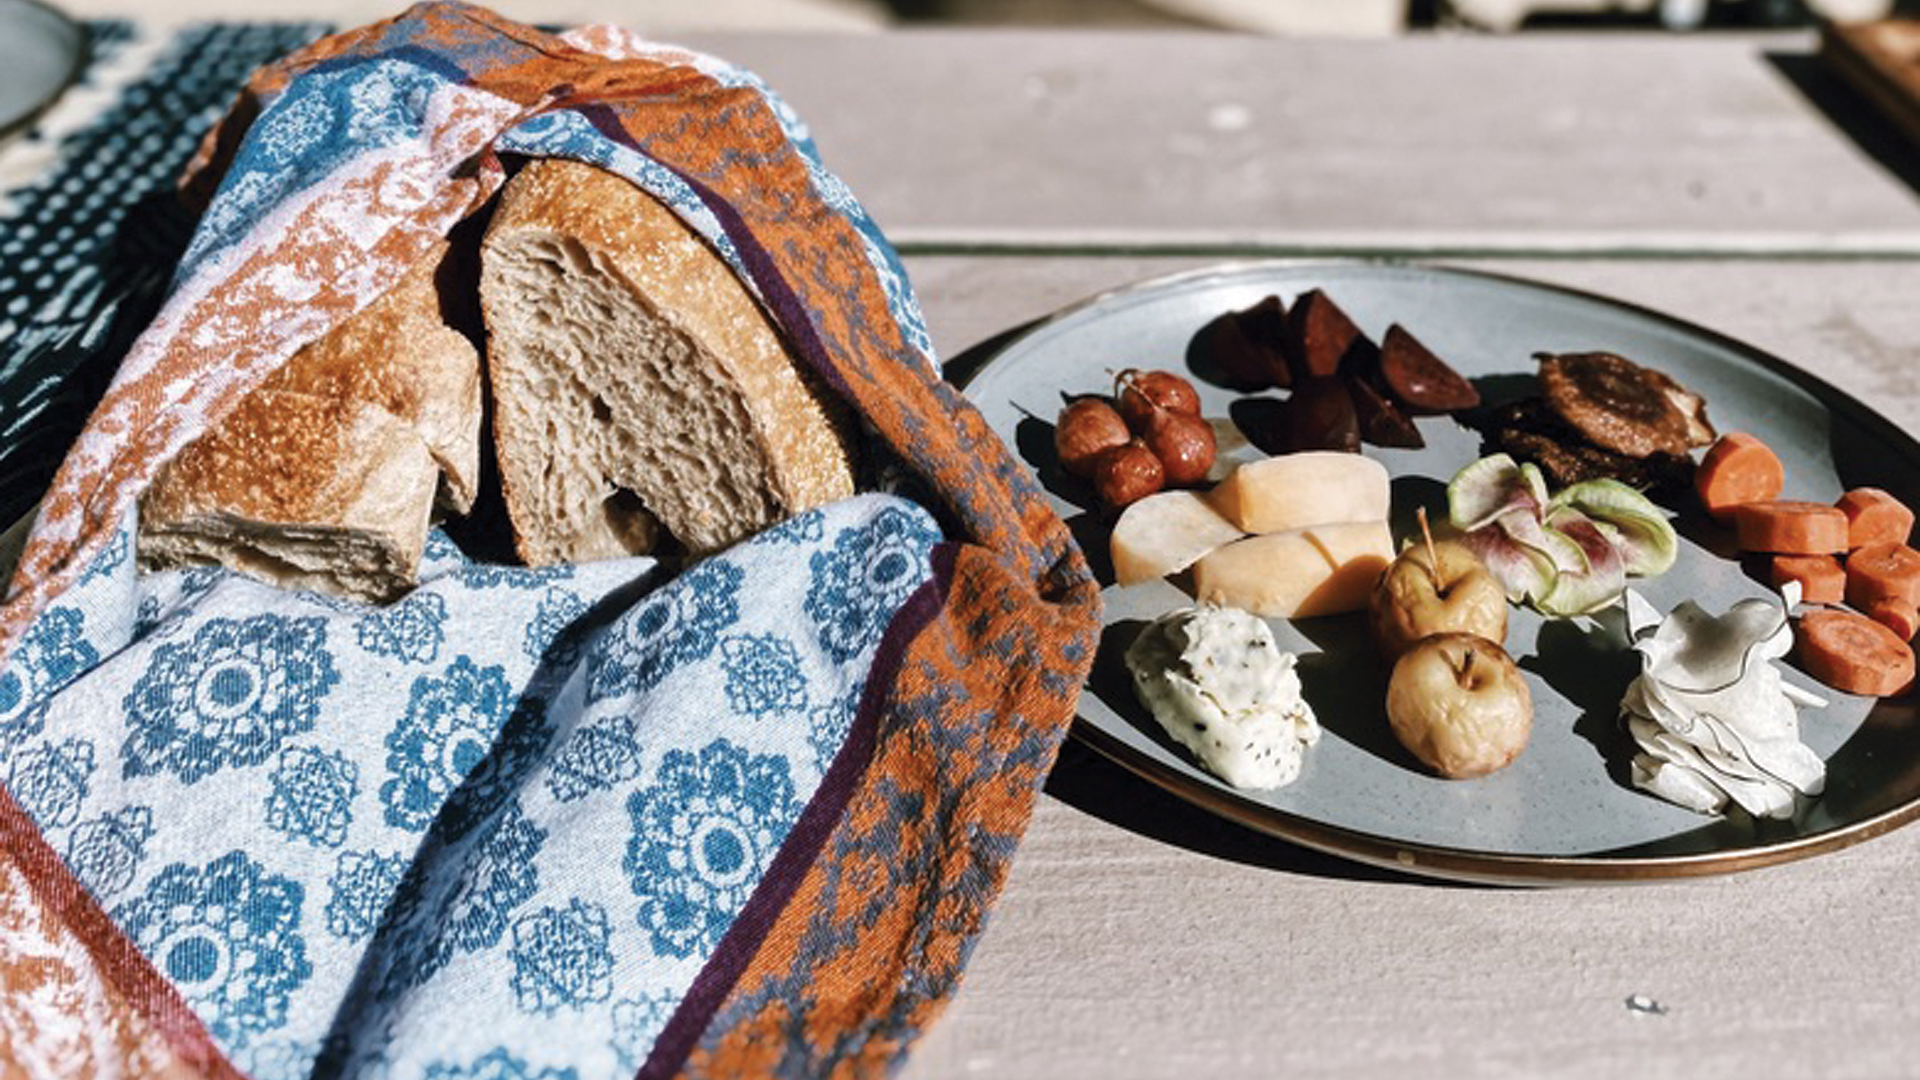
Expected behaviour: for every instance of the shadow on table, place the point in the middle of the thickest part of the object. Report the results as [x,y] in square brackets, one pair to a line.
[1856,117]
[1090,783]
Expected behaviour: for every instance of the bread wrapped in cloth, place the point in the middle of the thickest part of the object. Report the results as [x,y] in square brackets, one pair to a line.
[326,476]
[636,382]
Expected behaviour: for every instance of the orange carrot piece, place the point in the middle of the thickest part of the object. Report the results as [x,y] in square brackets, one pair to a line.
[1738,469]
[1883,570]
[1875,517]
[1896,615]
[1786,527]
[1820,577]
[1851,652]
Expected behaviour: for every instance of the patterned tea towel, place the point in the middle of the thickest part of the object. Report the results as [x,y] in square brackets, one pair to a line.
[573,822]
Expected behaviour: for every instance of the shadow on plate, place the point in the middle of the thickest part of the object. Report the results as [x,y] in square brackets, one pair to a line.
[1346,680]
[1088,781]
[967,363]
[1590,667]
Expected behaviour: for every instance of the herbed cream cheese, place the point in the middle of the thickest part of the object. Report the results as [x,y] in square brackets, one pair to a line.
[1218,684]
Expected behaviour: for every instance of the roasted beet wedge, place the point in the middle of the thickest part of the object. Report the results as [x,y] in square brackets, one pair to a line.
[1381,421]
[1419,380]
[1248,347]
[1321,416]
[1323,342]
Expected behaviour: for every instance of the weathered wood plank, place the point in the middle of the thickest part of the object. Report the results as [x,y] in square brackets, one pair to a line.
[1113,954]
[1535,143]
[1139,937]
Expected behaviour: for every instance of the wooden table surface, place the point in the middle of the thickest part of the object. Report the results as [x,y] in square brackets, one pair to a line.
[1727,180]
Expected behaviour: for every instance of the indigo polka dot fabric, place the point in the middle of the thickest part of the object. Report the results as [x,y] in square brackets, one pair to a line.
[87,246]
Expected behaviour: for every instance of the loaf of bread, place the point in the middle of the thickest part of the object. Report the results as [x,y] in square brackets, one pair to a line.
[327,475]
[637,385]
[401,355]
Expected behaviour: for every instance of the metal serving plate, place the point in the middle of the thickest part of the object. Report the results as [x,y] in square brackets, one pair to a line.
[1563,812]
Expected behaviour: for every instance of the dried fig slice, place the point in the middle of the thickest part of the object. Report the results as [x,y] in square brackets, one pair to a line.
[1324,342]
[1320,416]
[1418,379]
[1700,430]
[1611,401]
[1381,421]
[1248,347]
[1570,460]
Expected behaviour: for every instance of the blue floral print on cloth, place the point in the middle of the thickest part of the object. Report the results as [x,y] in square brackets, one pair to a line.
[230,696]
[410,630]
[448,729]
[700,831]
[524,803]
[106,851]
[228,936]
[361,885]
[312,798]
[562,958]
[53,653]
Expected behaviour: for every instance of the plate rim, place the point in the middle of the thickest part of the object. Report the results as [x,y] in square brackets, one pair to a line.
[1438,860]
[76,66]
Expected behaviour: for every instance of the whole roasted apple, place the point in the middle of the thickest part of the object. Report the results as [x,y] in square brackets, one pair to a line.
[1436,587]
[1460,705]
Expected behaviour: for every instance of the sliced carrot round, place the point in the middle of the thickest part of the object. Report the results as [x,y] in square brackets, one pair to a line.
[1850,652]
[1896,615]
[1786,527]
[1821,579]
[1874,517]
[1882,570]
[1738,469]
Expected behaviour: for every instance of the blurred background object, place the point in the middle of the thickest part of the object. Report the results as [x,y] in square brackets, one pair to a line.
[833,16]
[1881,60]
[41,52]
[1381,18]
[1506,15]
[1317,18]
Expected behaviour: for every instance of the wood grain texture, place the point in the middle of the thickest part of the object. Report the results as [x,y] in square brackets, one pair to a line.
[1882,60]
[1139,937]
[1552,142]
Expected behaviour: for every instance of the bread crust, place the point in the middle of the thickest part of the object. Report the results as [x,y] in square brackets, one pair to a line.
[399,354]
[327,474]
[303,490]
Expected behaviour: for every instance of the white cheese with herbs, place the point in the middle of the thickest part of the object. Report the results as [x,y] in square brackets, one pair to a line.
[1218,684]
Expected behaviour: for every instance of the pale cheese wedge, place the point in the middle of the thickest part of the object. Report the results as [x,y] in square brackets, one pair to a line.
[1293,491]
[1163,534]
[1322,570]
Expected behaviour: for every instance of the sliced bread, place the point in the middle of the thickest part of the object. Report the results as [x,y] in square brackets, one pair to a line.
[304,491]
[400,354]
[636,381]
[326,476]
